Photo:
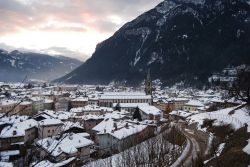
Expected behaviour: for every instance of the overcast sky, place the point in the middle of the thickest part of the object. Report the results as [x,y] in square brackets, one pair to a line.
[67,27]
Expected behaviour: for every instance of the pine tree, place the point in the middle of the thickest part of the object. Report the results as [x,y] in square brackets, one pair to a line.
[137,114]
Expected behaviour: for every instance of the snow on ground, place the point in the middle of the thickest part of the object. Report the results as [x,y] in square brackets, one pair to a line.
[210,140]
[218,152]
[183,155]
[220,149]
[222,117]
[6,164]
[247,148]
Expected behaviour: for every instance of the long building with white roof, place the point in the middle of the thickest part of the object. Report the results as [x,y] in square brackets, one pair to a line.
[108,98]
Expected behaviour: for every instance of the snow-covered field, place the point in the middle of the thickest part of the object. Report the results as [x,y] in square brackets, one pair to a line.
[238,119]
[235,116]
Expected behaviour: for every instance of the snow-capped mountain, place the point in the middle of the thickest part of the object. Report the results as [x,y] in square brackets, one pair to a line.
[15,65]
[178,40]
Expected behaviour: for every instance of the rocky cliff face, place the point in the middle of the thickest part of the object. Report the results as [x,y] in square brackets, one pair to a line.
[179,40]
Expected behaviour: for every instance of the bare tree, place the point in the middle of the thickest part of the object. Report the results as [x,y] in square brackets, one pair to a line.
[240,89]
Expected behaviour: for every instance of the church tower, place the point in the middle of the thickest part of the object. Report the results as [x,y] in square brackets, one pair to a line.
[148,84]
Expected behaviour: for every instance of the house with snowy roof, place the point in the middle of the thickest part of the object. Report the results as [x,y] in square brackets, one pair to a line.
[57,149]
[129,106]
[73,127]
[115,136]
[193,105]
[78,102]
[179,102]
[20,133]
[107,99]
[91,109]
[49,128]
[62,115]
[8,105]
[150,112]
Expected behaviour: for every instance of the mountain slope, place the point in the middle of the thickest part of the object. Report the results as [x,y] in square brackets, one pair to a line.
[15,65]
[179,40]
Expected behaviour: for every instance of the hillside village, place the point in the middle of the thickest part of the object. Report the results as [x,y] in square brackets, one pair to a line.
[74,125]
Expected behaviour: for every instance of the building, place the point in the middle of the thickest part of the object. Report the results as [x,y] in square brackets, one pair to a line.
[179,103]
[78,102]
[37,104]
[62,104]
[21,133]
[49,128]
[8,105]
[150,113]
[25,108]
[68,146]
[192,105]
[48,104]
[91,109]
[107,99]
[130,107]
[116,136]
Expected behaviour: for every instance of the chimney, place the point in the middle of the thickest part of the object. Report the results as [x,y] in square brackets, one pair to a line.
[115,125]
[126,125]
[14,132]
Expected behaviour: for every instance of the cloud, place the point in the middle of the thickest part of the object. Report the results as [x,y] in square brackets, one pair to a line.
[64,52]
[99,18]
[53,51]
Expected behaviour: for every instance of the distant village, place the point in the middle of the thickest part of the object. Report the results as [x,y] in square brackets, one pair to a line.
[72,125]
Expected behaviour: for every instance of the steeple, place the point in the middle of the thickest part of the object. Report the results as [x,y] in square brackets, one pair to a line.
[148,84]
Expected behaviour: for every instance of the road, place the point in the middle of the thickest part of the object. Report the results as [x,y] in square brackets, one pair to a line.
[193,149]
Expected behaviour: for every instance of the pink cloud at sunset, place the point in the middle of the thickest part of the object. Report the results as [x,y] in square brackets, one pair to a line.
[67,27]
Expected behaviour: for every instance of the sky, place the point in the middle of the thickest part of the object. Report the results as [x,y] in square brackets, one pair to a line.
[71,28]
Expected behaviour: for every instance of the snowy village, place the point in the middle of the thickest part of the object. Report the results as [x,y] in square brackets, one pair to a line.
[85,125]
[125,83]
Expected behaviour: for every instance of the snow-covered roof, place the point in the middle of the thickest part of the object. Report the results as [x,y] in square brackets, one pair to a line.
[179,99]
[48,122]
[25,103]
[122,130]
[8,102]
[90,108]
[130,105]
[128,130]
[47,163]
[195,103]
[125,95]
[107,125]
[6,164]
[36,98]
[150,110]
[18,129]
[48,101]
[80,99]
[14,119]
[180,113]
[62,115]
[9,153]
[86,135]
[67,125]
[69,143]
